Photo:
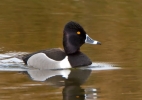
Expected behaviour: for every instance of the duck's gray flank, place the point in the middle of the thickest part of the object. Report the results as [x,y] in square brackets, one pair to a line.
[54,53]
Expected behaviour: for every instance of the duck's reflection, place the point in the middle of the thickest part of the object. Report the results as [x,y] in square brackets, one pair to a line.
[70,79]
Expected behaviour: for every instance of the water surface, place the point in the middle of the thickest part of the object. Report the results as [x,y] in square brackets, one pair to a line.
[32,25]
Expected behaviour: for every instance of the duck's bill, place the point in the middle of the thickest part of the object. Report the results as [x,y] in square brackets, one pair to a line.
[91,41]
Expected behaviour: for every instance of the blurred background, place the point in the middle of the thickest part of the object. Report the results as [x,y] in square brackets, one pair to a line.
[32,25]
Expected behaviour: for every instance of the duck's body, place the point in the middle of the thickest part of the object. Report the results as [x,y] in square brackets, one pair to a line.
[56,58]
[74,36]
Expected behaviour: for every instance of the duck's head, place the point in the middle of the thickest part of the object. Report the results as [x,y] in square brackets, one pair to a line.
[74,37]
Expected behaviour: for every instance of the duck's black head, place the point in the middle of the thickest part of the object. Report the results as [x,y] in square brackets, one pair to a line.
[75,36]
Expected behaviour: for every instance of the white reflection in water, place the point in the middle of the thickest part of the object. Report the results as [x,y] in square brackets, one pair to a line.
[42,75]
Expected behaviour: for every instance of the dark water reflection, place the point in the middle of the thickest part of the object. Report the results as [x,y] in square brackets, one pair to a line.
[76,84]
[71,80]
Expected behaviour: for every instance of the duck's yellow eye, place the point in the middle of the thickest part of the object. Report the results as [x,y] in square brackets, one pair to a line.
[77,96]
[78,32]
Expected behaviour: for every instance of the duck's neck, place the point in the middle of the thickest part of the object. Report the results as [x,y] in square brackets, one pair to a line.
[70,45]
[71,50]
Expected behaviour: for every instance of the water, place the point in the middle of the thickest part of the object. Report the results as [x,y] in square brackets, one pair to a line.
[32,25]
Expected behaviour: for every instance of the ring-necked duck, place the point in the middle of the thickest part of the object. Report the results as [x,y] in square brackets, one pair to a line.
[73,38]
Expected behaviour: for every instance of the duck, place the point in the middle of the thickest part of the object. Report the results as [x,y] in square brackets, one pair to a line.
[74,36]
